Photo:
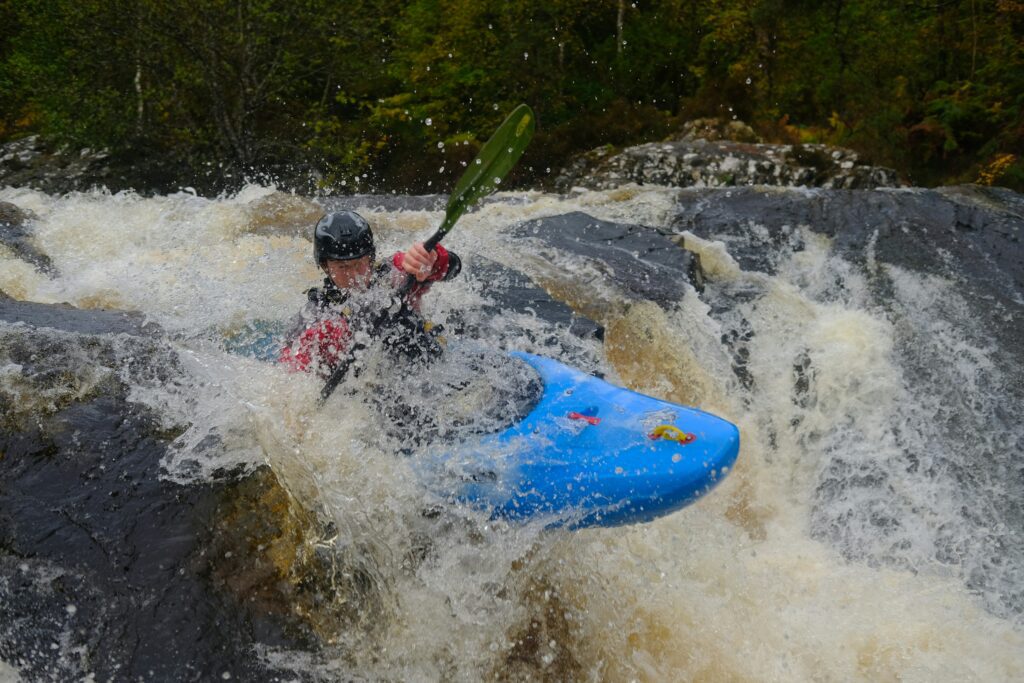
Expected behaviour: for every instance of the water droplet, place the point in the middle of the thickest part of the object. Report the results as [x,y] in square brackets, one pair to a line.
[478,162]
[526,55]
[748,81]
[497,181]
[495,107]
[429,121]
[440,145]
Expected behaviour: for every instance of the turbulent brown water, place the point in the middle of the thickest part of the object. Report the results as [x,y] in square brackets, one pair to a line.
[850,543]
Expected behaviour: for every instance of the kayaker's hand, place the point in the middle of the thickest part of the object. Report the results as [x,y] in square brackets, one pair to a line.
[418,262]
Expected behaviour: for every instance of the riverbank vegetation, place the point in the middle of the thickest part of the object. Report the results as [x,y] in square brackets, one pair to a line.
[394,94]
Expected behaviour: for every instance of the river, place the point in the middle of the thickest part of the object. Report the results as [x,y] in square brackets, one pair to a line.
[871,529]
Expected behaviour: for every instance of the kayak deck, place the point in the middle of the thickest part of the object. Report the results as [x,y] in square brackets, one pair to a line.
[591,453]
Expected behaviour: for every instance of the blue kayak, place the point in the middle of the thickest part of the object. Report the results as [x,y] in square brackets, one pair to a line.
[582,453]
[593,454]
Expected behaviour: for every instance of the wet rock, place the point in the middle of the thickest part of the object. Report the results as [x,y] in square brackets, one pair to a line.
[70,319]
[637,262]
[541,320]
[105,567]
[31,162]
[19,154]
[509,291]
[723,163]
[16,235]
[971,232]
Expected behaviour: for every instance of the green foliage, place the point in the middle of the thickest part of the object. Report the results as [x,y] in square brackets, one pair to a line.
[399,93]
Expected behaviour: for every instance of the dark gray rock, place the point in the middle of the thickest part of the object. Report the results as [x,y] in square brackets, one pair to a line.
[123,569]
[641,262]
[722,163]
[19,155]
[67,318]
[32,162]
[969,232]
[16,235]
[508,291]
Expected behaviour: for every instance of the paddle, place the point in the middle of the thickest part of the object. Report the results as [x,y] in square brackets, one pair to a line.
[482,177]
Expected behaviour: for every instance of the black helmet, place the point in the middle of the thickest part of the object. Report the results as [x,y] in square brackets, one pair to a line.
[341,236]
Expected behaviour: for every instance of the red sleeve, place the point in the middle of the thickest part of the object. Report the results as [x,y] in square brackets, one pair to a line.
[440,265]
[319,347]
[439,271]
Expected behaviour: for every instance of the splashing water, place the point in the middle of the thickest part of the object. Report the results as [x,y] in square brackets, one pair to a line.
[857,538]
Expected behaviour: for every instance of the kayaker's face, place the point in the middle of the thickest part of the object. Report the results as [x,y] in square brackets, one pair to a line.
[351,274]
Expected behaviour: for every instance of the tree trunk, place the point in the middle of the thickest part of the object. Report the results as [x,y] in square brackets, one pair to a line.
[618,27]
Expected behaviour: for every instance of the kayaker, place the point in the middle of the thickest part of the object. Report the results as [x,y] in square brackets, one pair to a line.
[344,249]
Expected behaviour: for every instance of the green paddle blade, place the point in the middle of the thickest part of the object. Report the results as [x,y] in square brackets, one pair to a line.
[490,166]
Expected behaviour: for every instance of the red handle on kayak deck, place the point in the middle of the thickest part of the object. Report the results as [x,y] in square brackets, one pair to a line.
[589,419]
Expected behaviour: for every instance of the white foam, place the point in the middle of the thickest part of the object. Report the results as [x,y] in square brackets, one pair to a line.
[753,583]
